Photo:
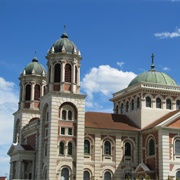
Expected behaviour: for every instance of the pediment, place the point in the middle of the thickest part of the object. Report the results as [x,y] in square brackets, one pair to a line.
[172,122]
[142,168]
[16,148]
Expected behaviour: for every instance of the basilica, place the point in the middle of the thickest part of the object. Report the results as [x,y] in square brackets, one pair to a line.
[54,138]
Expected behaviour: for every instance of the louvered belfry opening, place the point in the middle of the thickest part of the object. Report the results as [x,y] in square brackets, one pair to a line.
[37,92]
[76,71]
[68,73]
[57,73]
[28,93]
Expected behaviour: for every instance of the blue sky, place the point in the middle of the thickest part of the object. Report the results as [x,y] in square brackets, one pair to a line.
[115,37]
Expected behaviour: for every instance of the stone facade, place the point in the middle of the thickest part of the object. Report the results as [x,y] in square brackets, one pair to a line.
[55,139]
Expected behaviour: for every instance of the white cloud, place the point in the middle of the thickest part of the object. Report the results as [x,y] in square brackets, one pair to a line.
[165,68]
[120,64]
[103,81]
[165,35]
[8,105]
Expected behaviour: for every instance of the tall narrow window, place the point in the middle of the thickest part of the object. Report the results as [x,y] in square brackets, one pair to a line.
[132,104]
[107,148]
[177,146]
[158,103]
[127,149]
[178,104]
[69,148]
[64,115]
[138,102]
[68,73]
[86,175]
[122,108]
[117,107]
[148,101]
[76,73]
[151,147]
[127,106]
[57,73]
[168,104]
[86,147]
[28,93]
[69,115]
[61,148]
[107,176]
[37,92]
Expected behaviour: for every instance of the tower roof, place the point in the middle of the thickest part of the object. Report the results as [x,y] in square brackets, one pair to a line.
[34,68]
[64,45]
[153,76]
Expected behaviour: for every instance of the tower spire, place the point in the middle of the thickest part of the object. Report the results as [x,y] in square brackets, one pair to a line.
[152,65]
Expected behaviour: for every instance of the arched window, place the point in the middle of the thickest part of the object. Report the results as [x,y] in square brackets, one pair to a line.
[76,72]
[69,115]
[138,102]
[178,104]
[178,175]
[68,73]
[37,92]
[148,101]
[64,174]
[28,93]
[168,104]
[64,115]
[158,103]
[107,175]
[107,148]
[132,104]
[69,148]
[49,74]
[151,147]
[117,107]
[122,108]
[86,175]
[86,147]
[177,146]
[57,73]
[127,149]
[127,106]
[61,148]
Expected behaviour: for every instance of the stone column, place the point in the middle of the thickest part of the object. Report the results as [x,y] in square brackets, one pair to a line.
[23,95]
[11,171]
[63,71]
[73,88]
[98,156]
[19,170]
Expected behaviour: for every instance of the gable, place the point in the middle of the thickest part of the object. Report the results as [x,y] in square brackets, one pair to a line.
[175,123]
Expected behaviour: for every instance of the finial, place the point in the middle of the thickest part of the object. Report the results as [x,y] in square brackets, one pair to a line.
[35,59]
[152,65]
[64,28]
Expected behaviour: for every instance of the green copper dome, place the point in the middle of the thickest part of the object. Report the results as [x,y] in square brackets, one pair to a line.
[64,45]
[153,76]
[35,68]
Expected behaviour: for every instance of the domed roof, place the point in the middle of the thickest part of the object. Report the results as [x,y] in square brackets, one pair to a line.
[64,45]
[35,68]
[153,76]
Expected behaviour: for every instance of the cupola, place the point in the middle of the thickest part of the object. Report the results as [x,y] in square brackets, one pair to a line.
[153,76]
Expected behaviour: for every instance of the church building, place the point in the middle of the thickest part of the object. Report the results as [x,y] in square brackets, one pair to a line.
[54,138]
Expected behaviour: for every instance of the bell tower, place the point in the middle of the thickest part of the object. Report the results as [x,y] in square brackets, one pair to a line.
[64,66]
[62,114]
